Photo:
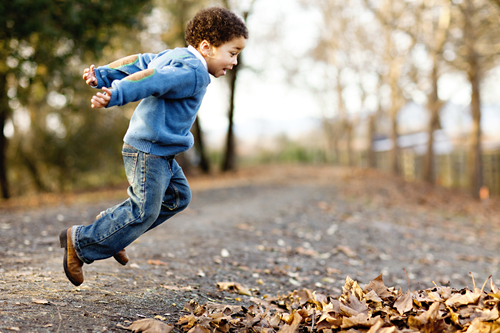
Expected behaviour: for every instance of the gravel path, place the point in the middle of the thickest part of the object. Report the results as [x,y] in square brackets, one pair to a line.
[273,230]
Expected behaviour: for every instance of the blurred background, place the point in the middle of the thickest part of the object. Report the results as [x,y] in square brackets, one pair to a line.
[411,87]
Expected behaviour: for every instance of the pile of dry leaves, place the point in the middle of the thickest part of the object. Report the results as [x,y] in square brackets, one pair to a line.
[373,309]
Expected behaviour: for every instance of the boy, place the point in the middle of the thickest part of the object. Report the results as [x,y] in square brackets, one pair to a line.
[171,85]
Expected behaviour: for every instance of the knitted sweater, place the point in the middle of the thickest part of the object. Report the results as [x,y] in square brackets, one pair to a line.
[171,85]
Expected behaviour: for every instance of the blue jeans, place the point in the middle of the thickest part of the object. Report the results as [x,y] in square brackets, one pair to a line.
[158,190]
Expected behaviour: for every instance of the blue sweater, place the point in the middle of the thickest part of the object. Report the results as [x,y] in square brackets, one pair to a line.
[171,85]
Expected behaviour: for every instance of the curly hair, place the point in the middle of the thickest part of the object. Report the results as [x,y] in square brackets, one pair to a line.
[216,25]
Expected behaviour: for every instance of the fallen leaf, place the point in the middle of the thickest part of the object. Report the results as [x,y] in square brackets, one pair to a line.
[427,321]
[378,286]
[199,329]
[437,309]
[148,325]
[478,326]
[307,252]
[360,320]
[187,288]
[157,262]
[40,301]
[404,303]
[372,296]
[458,299]
[234,287]
[346,250]
[293,327]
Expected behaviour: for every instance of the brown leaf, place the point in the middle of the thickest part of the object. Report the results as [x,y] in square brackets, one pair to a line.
[40,301]
[353,287]
[428,319]
[378,286]
[361,320]
[305,295]
[199,329]
[458,299]
[175,288]
[157,262]
[346,250]
[306,252]
[377,327]
[148,325]
[404,303]
[488,315]
[187,322]
[372,297]
[293,327]
[357,305]
[234,287]
[478,326]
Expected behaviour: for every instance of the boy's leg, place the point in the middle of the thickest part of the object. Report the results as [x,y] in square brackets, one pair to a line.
[121,256]
[177,196]
[149,176]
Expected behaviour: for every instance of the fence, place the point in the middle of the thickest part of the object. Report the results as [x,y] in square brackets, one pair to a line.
[451,169]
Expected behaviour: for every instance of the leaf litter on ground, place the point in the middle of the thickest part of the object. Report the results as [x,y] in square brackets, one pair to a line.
[372,309]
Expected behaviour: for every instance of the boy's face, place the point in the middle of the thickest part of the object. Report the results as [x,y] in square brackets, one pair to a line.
[223,58]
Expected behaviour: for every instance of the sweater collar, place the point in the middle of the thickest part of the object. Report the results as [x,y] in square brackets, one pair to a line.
[198,55]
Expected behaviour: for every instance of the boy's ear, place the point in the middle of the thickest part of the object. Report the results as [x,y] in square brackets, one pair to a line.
[205,48]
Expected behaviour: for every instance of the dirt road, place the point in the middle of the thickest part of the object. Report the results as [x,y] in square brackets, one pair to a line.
[273,230]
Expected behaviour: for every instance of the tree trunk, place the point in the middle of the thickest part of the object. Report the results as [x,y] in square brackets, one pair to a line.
[475,159]
[372,159]
[475,165]
[349,130]
[199,144]
[393,154]
[229,163]
[434,107]
[4,111]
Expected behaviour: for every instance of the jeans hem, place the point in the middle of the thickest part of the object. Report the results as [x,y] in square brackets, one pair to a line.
[75,230]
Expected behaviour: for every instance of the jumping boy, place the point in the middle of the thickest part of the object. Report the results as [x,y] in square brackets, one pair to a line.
[171,85]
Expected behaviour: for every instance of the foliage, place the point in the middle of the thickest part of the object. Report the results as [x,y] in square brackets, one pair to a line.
[44,46]
[372,309]
[288,150]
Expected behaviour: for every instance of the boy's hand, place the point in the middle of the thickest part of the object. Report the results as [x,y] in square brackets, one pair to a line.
[89,76]
[101,100]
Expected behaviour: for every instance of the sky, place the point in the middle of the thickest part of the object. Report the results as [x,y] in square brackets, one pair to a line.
[266,103]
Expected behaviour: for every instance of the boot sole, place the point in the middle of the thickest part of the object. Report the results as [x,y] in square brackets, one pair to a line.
[63,240]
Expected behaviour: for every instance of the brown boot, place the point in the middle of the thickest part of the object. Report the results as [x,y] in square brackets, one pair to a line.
[121,257]
[71,263]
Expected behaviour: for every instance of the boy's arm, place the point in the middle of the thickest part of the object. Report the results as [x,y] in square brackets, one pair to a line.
[119,69]
[176,81]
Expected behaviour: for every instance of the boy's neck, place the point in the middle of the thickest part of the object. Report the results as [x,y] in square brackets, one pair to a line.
[198,55]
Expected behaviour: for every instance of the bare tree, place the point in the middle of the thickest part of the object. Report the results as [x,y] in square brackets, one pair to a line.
[477,49]
[393,16]
[229,161]
[432,31]
[335,49]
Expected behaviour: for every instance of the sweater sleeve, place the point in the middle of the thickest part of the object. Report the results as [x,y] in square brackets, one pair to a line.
[176,81]
[121,68]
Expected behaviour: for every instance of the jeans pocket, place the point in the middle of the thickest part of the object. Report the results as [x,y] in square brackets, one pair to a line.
[171,197]
[130,163]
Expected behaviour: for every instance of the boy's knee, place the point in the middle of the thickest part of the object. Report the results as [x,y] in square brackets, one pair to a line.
[185,198]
